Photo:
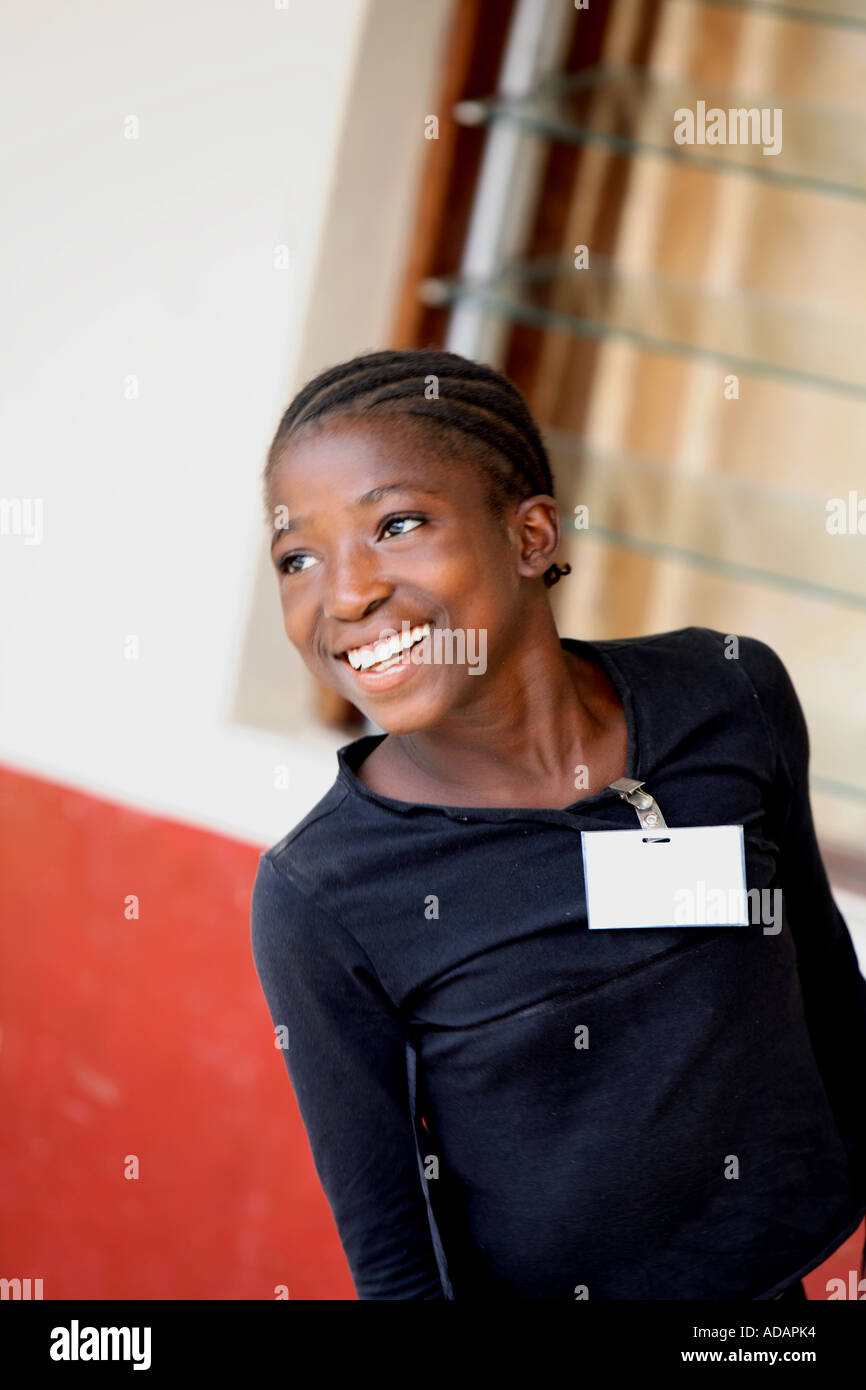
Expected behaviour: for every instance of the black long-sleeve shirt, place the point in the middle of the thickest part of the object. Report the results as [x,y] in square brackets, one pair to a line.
[432,965]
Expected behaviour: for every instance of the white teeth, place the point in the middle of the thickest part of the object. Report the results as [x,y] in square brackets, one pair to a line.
[361,658]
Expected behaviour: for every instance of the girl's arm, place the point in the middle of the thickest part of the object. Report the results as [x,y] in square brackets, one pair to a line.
[833,990]
[347,1064]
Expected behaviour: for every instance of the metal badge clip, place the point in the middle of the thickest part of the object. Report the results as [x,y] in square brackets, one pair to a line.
[647,807]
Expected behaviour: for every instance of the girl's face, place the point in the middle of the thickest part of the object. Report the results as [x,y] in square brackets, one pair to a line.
[376,538]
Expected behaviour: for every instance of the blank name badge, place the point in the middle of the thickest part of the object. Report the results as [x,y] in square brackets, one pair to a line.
[694,876]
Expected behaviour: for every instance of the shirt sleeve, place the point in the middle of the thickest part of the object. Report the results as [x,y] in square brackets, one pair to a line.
[346,1060]
[832,987]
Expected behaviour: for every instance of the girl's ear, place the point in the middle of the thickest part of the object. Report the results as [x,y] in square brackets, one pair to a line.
[537,529]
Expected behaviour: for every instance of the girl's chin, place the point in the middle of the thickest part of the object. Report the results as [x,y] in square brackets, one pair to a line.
[398,700]
[402,715]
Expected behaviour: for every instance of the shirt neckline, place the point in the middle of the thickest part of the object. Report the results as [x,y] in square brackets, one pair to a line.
[351,755]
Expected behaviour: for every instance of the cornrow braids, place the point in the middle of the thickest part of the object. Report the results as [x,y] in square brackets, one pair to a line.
[469,401]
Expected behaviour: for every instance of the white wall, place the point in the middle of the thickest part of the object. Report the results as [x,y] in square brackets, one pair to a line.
[154,257]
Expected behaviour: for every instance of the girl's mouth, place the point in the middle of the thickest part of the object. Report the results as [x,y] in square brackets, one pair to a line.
[393,665]
[391,650]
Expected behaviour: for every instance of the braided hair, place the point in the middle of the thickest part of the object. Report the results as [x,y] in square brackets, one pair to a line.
[467,403]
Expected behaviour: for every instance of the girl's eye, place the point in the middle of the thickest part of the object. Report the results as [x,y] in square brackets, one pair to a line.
[287,565]
[416,520]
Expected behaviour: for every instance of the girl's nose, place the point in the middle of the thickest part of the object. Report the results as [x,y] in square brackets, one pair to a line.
[353,587]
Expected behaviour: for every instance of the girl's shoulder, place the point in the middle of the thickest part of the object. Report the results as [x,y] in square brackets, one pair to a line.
[727,660]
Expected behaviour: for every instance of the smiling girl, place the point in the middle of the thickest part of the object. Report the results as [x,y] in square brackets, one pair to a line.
[500,1102]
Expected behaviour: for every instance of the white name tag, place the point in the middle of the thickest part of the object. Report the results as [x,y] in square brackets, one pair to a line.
[691,877]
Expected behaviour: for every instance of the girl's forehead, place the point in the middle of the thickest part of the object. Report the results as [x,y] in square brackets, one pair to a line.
[333,453]
[370,433]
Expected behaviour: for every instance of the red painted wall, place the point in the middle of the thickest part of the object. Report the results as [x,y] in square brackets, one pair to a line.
[146,1037]
[152,1038]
